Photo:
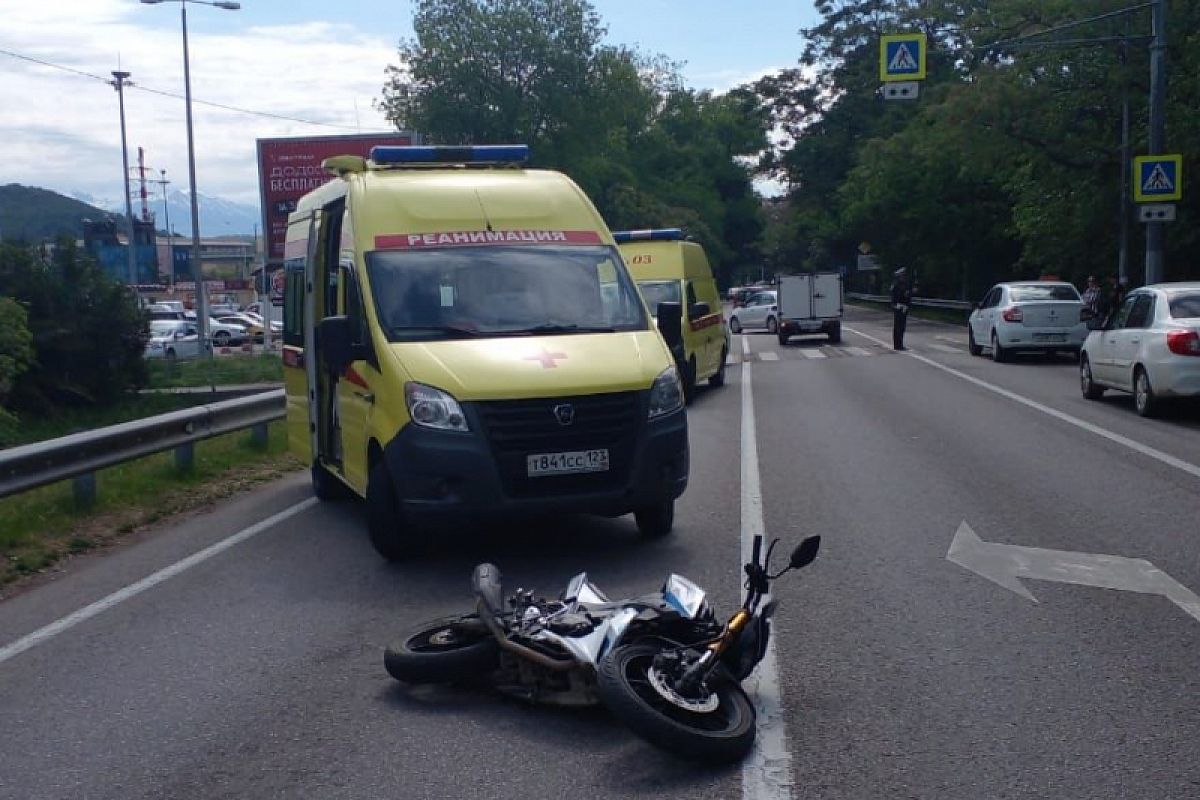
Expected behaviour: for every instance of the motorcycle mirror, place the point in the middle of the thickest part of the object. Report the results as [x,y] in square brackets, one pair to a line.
[806,552]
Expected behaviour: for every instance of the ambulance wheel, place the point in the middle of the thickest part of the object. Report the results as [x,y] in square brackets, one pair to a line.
[835,334]
[783,338]
[384,524]
[325,486]
[655,522]
[688,376]
[718,378]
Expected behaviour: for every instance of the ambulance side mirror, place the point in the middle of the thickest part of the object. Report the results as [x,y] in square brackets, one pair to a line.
[670,323]
[334,344]
[697,310]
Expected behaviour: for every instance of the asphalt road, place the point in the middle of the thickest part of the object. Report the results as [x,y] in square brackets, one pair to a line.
[258,672]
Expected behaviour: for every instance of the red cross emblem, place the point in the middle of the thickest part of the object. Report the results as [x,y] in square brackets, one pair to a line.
[547,358]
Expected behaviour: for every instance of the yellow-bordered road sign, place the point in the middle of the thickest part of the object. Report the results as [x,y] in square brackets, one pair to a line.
[1157,179]
[902,57]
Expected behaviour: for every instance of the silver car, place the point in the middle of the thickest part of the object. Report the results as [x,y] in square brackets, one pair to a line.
[1150,347]
[1046,316]
[760,311]
[171,340]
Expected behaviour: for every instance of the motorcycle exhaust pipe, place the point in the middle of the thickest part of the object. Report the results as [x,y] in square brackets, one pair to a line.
[519,650]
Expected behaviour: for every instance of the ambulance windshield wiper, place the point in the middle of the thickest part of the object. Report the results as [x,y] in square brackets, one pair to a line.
[402,330]
[555,327]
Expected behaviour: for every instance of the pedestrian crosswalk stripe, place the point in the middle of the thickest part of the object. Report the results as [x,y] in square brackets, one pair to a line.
[730,361]
[769,356]
[945,349]
[854,351]
[812,354]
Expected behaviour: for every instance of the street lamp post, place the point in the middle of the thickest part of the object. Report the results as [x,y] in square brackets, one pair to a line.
[197,271]
[1155,232]
[119,82]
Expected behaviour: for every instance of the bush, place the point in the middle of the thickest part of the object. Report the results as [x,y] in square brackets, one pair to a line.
[87,333]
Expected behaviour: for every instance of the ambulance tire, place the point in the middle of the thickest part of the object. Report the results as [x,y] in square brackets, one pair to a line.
[688,376]
[386,528]
[326,487]
[718,378]
[655,522]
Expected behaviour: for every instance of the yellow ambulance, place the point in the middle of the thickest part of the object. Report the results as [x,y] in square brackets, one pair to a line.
[462,340]
[669,269]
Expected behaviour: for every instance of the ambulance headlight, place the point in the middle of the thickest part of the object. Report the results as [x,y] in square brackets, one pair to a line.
[666,395]
[433,408]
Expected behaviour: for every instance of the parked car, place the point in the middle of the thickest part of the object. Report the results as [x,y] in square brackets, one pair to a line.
[224,334]
[1046,316]
[252,330]
[761,310]
[172,339]
[161,312]
[1150,347]
[276,323]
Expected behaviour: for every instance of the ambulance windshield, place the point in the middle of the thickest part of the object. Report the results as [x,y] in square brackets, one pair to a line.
[466,292]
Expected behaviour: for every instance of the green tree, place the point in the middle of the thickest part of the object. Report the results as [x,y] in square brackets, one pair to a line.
[16,354]
[88,335]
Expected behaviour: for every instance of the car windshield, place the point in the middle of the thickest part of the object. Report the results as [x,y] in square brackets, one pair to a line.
[163,327]
[1053,291]
[1184,305]
[460,292]
[656,292]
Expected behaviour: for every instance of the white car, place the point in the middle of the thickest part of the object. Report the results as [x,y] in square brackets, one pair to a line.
[1045,316]
[760,311]
[172,339]
[1150,347]
[221,334]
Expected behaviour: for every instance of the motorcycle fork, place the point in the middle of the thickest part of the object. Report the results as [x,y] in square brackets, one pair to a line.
[698,672]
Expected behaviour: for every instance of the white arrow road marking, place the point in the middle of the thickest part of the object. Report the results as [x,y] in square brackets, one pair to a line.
[1006,564]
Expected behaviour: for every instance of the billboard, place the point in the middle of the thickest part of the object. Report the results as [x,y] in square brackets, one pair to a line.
[290,168]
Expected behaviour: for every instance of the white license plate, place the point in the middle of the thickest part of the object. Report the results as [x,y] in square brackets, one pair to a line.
[567,463]
[1049,337]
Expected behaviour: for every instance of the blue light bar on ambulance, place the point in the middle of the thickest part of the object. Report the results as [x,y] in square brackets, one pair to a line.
[482,154]
[652,235]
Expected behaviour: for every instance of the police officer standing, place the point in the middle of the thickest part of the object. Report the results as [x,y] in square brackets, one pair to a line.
[901,300]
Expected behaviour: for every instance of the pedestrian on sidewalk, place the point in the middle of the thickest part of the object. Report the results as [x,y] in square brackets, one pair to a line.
[901,300]
[1093,300]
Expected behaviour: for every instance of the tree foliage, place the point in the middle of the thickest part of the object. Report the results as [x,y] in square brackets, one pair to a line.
[1008,165]
[649,152]
[87,334]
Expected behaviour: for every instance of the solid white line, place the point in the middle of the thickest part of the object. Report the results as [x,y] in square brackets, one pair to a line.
[150,581]
[745,345]
[767,773]
[768,355]
[1138,447]
[812,354]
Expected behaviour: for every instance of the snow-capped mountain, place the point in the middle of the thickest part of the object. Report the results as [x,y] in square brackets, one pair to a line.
[218,217]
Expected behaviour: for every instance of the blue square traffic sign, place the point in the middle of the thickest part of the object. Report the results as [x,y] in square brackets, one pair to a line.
[902,57]
[1158,178]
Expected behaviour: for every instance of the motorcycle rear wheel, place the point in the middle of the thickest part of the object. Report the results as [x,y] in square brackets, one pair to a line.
[439,651]
[724,734]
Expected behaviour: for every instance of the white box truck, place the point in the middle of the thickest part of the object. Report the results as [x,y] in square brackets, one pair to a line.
[810,303]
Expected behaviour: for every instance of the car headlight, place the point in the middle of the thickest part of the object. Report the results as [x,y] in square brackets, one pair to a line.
[433,408]
[666,395]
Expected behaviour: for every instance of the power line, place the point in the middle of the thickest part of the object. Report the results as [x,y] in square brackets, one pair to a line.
[93,76]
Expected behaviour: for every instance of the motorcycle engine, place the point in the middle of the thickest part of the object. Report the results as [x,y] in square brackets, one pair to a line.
[571,624]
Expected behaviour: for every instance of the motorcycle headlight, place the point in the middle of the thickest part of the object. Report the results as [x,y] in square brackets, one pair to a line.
[433,408]
[666,395]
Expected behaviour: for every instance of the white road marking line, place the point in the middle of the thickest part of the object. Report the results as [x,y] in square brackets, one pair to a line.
[943,348]
[731,360]
[855,351]
[745,345]
[1138,447]
[768,355]
[767,772]
[812,354]
[166,573]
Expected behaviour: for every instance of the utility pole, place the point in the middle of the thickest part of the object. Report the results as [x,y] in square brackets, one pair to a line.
[1155,232]
[1126,171]
[119,82]
[163,182]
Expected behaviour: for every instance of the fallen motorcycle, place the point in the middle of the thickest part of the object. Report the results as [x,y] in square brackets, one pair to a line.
[661,662]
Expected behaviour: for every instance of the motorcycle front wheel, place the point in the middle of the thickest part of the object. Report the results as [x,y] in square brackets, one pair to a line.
[716,728]
[446,650]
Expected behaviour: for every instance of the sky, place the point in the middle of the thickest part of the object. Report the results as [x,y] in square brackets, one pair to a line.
[319,62]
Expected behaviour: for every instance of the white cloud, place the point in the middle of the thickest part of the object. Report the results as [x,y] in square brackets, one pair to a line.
[723,80]
[61,130]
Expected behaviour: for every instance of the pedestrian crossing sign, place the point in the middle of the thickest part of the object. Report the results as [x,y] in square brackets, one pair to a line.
[1158,178]
[902,57]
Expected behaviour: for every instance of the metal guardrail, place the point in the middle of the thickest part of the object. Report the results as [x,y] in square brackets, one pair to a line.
[80,455]
[928,302]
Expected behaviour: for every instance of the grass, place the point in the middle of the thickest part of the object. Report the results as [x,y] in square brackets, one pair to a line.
[948,315]
[42,526]
[221,371]
[62,421]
